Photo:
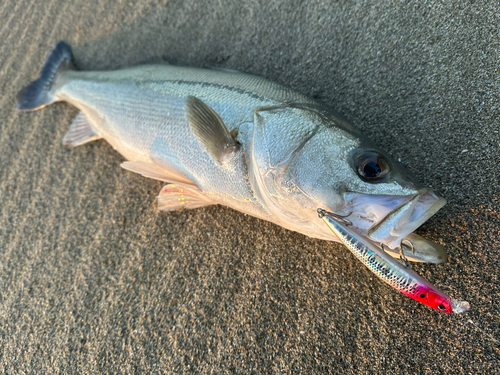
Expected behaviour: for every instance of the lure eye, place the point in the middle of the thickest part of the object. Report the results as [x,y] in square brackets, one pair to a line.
[441,307]
[371,166]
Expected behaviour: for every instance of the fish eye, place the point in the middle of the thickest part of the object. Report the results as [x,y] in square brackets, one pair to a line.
[371,166]
[441,307]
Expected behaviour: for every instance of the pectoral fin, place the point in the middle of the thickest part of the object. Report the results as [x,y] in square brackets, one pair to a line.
[181,196]
[80,132]
[210,129]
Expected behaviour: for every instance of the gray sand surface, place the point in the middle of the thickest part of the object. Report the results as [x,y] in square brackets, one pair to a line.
[93,279]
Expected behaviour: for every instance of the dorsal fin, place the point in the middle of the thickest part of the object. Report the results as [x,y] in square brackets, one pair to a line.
[210,129]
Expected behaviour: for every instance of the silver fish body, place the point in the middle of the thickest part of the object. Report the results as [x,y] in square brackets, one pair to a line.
[290,154]
[141,113]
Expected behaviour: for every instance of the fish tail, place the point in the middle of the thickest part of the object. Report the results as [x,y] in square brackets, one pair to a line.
[40,93]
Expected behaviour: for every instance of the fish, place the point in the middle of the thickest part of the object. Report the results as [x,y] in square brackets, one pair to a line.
[387,268]
[218,136]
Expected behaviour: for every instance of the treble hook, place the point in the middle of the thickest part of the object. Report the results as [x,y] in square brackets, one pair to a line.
[322,212]
[403,258]
[411,245]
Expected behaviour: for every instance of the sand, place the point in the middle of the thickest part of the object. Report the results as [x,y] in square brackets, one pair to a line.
[93,279]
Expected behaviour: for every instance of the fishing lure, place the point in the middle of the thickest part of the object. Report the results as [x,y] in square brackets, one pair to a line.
[389,269]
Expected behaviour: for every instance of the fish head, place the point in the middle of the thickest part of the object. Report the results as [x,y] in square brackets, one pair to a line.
[386,202]
[320,160]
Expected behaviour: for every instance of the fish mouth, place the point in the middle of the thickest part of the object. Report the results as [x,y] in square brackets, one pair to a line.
[389,219]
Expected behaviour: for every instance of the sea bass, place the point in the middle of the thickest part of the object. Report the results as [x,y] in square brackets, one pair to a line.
[225,137]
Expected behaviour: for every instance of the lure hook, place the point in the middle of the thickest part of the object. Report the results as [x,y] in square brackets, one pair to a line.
[403,258]
[410,243]
[322,213]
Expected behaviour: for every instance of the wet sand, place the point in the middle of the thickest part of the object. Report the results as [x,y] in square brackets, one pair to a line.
[93,279]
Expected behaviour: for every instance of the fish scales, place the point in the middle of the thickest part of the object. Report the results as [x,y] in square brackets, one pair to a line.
[121,102]
[290,156]
[230,138]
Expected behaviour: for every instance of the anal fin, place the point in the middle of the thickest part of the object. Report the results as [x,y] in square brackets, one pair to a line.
[80,132]
[181,197]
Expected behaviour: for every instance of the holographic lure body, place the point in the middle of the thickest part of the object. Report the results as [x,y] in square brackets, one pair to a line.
[390,270]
